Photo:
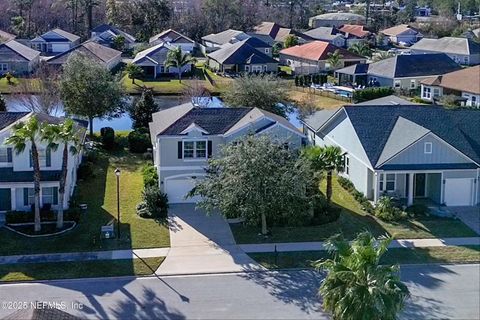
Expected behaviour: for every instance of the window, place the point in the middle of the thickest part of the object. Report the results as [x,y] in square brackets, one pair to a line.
[427,148]
[413,84]
[465,60]
[347,164]
[247,68]
[49,196]
[436,92]
[390,182]
[427,92]
[30,196]
[3,66]
[5,155]
[195,149]
[397,84]
[267,50]
[264,68]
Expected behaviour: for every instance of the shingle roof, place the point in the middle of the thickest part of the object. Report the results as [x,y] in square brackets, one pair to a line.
[319,118]
[317,50]
[223,37]
[7,118]
[416,65]
[356,30]
[241,53]
[339,16]
[278,32]
[388,100]
[463,46]
[91,49]
[212,120]
[114,30]
[8,175]
[323,33]
[26,52]
[373,125]
[359,68]
[467,80]
[171,34]
[153,50]
[5,36]
[67,35]
[396,30]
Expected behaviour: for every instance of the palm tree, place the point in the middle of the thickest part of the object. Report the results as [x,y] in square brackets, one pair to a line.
[327,159]
[361,49]
[357,286]
[65,134]
[22,134]
[133,71]
[334,59]
[177,59]
[382,55]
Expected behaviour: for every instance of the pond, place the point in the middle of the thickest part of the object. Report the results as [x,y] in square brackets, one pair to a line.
[124,122]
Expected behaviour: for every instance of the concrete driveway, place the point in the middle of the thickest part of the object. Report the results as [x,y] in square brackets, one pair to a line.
[469,215]
[202,244]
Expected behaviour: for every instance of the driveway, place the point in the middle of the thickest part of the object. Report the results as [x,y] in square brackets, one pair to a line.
[202,244]
[469,215]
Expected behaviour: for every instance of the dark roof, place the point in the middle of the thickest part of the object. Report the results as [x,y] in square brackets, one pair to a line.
[459,128]
[429,166]
[8,175]
[240,53]
[106,27]
[213,120]
[7,118]
[415,65]
[257,43]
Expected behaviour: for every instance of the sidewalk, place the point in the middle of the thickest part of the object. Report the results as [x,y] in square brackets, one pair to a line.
[85,256]
[316,246]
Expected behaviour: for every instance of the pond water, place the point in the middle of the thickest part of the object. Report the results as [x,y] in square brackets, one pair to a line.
[124,122]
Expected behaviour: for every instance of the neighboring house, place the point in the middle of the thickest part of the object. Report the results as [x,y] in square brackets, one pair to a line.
[153,61]
[464,83]
[355,34]
[105,56]
[174,38]
[278,33]
[462,50]
[476,33]
[328,34]
[185,137]
[17,58]
[312,57]
[214,41]
[402,33]
[250,55]
[105,34]
[16,171]
[5,36]
[390,100]
[400,72]
[412,153]
[55,41]
[335,19]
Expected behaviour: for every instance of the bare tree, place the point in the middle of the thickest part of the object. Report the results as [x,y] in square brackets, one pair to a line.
[197,93]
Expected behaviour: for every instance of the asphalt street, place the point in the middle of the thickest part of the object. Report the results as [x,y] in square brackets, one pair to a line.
[438,292]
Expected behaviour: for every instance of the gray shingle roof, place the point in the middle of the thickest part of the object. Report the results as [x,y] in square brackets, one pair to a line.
[450,45]
[91,49]
[26,52]
[7,118]
[458,128]
[115,31]
[323,33]
[241,53]
[223,37]
[388,100]
[212,120]
[319,118]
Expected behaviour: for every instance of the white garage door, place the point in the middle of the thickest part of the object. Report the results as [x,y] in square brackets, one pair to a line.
[177,189]
[459,192]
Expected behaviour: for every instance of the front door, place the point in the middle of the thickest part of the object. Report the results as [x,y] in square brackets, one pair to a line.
[420,185]
[5,200]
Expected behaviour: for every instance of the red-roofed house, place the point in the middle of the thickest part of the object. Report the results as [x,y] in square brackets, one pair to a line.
[355,34]
[312,57]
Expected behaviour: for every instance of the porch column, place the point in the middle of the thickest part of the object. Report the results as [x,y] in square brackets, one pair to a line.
[411,178]
[13,199]
[376,189]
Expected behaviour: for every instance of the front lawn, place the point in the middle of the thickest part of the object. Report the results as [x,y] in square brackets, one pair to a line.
[99,193]
[304,259]
[354,220]
[301,97]
[7,88]
[83,269]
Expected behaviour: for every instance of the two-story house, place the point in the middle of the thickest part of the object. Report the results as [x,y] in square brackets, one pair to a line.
[16,170]
[410,152]
[185,137]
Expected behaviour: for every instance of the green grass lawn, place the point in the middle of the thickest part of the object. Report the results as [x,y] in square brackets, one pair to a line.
[454,254]
[6,88]
[99,193]
[84,269]
[352,221]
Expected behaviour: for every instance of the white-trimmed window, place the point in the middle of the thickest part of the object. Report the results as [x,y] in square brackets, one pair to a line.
[4,158]
[387,182]
[247,68]
[413,84]
[267,50]
[346,164]
[3,66]
[465,60]
[30,196]
[397,84]
[436,92]
[48,195]
[427,92]
[195,149]
[427,148]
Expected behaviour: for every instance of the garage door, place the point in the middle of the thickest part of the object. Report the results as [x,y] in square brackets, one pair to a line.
[5,200]
[459,192]
[177,189]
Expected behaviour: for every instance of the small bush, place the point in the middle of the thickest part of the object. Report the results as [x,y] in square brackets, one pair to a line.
[359,197]
[72,214]
[150,176]
[324,213]
[108,137]
[85,170]
[387,211]
[418,210]
[372,93]
[346,184]
[154,204]
[138,142]
[91,156]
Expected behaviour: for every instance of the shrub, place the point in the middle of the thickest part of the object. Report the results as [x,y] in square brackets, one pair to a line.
[324,213]
[108,137]
[359,197]
[91,156]
[372,93]
[150,176]
[418,210]
[387,211]
[138,142]
[346,184]
[85,170]
[154,204]
[296,81]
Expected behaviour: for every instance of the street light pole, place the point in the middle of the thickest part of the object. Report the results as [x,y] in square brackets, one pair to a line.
[117,173]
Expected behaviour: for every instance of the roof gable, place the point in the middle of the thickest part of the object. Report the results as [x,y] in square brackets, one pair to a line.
[240,53]
[24,51]
[318,50]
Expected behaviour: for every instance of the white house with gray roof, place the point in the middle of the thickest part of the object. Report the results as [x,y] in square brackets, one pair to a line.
[16,170]
[185,137]
[214,41]
[427,153]
[17,58]
[464,51]
[55,41]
